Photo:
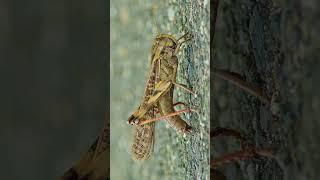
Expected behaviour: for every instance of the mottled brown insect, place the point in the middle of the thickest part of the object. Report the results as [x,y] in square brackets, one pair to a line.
[158,96]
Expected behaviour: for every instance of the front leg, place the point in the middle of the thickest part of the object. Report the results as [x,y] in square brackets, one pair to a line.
[173,70]
[184,87]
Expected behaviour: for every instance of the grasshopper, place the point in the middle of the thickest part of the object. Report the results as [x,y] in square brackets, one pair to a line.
[93,164]
[158,96]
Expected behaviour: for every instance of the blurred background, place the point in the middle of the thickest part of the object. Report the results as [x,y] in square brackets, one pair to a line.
[53,75]
[133,26]
[273,45]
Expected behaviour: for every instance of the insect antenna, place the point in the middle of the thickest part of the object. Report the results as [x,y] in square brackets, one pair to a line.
[155,19]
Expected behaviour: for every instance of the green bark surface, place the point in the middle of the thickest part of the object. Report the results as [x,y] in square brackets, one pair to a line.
[134,24]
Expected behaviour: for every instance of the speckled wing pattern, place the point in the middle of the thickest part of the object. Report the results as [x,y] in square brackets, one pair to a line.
[144,135]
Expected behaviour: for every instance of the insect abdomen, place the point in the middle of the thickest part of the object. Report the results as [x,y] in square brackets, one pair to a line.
[166,107]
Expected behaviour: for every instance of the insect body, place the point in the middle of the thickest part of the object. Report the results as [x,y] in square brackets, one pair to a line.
[158,96]
[168,70]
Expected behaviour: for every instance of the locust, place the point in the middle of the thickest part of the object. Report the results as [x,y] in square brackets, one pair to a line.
[158,96]
[93,164]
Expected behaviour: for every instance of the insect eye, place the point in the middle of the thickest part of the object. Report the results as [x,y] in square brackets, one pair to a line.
[136,121]
[131,120]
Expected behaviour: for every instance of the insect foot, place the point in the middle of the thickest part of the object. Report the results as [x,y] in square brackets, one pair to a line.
[188,129]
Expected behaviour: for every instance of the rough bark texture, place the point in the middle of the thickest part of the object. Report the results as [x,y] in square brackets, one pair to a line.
[274,45]
[134,24]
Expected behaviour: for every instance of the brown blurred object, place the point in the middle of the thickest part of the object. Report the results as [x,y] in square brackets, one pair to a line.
[94,164]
